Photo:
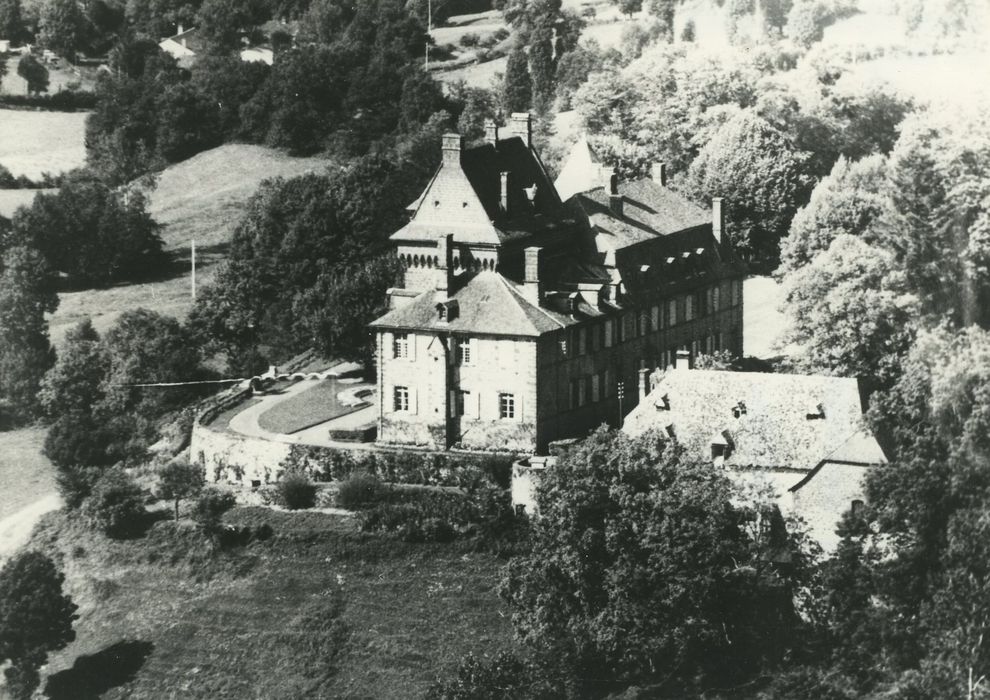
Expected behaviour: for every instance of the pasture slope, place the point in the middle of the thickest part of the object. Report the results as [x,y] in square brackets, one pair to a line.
[201,198]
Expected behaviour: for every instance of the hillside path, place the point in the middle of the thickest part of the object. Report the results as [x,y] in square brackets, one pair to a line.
[16,529]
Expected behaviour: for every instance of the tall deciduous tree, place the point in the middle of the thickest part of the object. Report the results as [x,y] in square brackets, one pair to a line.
[11,21]
[642,571]
[755,166]
[36,75]
[62,27]
[26,295]
[36,617]
[178,481]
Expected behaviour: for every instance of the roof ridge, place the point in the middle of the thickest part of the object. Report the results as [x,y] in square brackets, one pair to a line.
[517,293]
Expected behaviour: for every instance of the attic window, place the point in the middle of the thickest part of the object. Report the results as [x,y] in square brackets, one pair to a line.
[663,403]
[436,202]
[700,251]
[739,409]
[530,192]
[816,412]
[447,310]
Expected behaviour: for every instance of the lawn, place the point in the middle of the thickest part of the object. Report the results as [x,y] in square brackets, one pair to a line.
[310,407]
[32,143]
[25,473]
[62,77]
[163,617]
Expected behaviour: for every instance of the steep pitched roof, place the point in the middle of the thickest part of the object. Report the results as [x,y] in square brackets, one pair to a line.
[776,431]
[488,304]
[465,199]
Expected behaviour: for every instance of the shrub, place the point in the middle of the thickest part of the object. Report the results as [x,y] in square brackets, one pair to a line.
[501,34]
[116,506]
[75,483]
[297,491]
[210,507]
[470,39]
[361,490]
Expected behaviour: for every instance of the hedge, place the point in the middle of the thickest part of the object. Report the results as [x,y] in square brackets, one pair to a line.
[61,101]
[410,467]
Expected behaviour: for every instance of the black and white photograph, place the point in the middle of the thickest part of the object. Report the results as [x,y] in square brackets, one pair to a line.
[495,349]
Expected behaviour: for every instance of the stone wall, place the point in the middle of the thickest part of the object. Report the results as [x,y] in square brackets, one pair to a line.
[226,457]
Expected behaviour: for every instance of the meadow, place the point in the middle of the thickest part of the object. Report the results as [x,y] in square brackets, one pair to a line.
[34,142]
[319,610]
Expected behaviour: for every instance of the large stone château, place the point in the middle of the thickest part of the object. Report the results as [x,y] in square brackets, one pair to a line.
[525,319]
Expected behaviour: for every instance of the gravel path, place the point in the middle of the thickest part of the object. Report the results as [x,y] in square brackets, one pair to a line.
[16,529]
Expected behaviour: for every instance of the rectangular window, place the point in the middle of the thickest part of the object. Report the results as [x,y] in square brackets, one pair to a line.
[716,298]
[709,344]
[572,397]
[596,337]
[655,318]
[606,383]
[401,398]
[643,327]
[609,332]
[672,313]
[464,355]
[462,399]
[689,307]
[506,406]
[582,391]
[400,346]
[596,388]
[582,341]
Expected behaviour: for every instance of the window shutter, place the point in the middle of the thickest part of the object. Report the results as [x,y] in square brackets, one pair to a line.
[411,352]
[413,398]
[388,345]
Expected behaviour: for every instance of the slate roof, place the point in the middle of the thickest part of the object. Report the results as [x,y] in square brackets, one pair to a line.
[775,431]
[465,200]
[649,211]
[488,304]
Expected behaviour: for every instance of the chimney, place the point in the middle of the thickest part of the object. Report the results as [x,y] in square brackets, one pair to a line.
[491,132]
[683,360]
[659,172]
[718,221]
[504,192]
[614,198]
[644,382]
[445,263]
[453,144]
[521,125]
[531,275]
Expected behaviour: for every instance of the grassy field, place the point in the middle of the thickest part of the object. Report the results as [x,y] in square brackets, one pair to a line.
[59,78]
[313,406]
[163,617]
[25,474]
[32,143]
[202,198]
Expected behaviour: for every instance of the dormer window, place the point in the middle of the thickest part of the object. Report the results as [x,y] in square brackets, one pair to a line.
[816,412]
[663,403]
[447,310]
[739,409]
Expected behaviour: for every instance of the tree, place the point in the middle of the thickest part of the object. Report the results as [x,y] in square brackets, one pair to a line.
[223,23]
[116,505]
[26,295]
[689,31]
[517,91]
[179,480]
[642,571]
[11,21]
[629,7]
[849,312]
[754,164]
[209,510]
[542,67]
[62,27]
[850,200]
[808,19]
[75,382]
[36,75]
[35,618]
[92,233]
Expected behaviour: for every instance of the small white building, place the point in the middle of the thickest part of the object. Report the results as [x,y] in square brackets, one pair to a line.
[258,54]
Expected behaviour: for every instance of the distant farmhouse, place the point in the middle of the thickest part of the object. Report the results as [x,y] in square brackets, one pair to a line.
[524,319]
[187,44]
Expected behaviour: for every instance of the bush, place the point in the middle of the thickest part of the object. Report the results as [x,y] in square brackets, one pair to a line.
[469,40]
[297,491]
[210,507]
[361,490]
[116,506]
[75,483]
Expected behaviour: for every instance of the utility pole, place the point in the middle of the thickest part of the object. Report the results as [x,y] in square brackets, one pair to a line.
[193,282]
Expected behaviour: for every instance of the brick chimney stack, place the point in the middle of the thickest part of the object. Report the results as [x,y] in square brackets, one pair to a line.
[532,288]
[445,264]
[503,197]
[453,144]
[491,132]
[521,125]
[718,220]
[614,198]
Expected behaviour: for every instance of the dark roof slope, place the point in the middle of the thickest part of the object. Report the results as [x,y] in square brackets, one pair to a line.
[648,210]
[488,304]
